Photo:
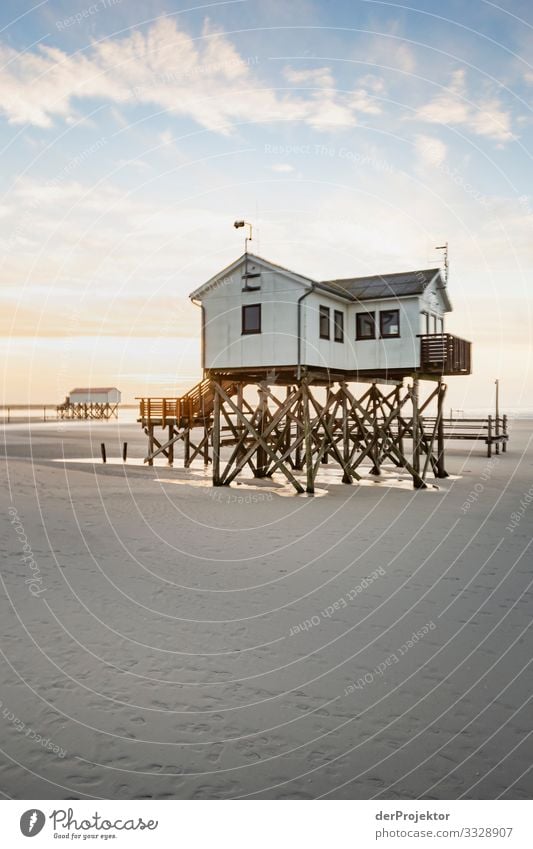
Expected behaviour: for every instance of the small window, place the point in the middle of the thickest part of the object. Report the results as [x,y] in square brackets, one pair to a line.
[425,322]
[389,323]
[365,325]
[440,327]
[324,322]
[338,320]
[435,328]
[251,318]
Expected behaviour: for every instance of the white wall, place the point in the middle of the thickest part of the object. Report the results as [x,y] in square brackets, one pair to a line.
[276,345]
[226,347]
[402,352]
[111,397]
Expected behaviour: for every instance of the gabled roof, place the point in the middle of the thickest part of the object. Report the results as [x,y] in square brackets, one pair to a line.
[396,285]
[215,281]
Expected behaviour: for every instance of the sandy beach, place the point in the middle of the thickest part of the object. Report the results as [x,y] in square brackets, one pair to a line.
[164,639]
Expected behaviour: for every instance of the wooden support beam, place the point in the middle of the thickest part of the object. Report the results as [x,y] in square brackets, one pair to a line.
[216,435]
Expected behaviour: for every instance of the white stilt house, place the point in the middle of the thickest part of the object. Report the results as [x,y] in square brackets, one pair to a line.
[285,334]
[260,318]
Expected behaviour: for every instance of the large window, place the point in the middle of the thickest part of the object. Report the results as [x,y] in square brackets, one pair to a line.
[324,322]
[365,325]
[338,319]
[389,323]
[251,318]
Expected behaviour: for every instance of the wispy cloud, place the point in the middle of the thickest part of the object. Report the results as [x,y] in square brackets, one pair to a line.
[204,79]
[455,107]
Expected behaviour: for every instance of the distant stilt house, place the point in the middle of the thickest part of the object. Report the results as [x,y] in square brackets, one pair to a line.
[90,403]
[268,326]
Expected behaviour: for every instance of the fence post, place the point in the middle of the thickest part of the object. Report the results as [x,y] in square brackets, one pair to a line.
[102,451]
[504,444]
[489,437]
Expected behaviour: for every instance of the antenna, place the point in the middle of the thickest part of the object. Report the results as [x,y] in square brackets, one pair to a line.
[444,248]
[248,238]
[247,275]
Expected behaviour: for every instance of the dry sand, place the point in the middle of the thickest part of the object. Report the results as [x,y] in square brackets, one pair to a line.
[162,653]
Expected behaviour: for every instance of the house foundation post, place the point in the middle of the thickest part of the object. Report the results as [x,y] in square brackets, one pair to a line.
[441,470]
[308,440]
[216,436]
[262,459]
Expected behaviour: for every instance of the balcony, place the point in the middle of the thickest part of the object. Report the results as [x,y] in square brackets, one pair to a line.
[444,354]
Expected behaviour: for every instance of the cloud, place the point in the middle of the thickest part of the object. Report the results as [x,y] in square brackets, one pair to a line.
[430,150]
[321,77]
[454,107]
[282,168]
[205,79]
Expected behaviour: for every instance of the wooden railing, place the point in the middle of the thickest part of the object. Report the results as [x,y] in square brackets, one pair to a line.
[442,353]
[197,404]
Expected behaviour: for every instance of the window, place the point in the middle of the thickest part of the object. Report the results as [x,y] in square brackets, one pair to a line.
[365,325]
[338,321]
[251,318]
[324,322]
[434,324]
[389,323]
[425,322]
[440,328]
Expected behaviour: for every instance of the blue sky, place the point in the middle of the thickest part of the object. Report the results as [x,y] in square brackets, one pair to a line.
[355,135]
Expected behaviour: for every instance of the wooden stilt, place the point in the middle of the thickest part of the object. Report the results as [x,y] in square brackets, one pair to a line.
[441,470]
[216,437]
[150,444]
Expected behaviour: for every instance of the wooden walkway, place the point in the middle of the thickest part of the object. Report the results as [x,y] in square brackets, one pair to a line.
[492,430]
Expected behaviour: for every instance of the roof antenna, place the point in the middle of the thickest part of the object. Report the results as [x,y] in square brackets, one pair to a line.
[444,248]
[248,238]
[247,275]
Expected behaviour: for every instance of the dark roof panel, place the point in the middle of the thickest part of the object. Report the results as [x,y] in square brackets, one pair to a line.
[383,285]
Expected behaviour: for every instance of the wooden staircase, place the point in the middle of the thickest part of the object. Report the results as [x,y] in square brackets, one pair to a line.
[181,415]
[193,409]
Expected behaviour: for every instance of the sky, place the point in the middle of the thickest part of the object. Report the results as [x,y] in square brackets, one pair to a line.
[355,136]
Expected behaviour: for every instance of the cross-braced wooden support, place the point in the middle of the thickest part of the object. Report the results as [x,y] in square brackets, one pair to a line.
[293,431]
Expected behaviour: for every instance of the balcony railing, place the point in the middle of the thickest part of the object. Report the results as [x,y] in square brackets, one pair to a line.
[442,353]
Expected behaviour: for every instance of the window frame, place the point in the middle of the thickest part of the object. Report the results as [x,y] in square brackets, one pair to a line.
[244,309]
[324,312]
[369,314]
[388,335]
[338,314]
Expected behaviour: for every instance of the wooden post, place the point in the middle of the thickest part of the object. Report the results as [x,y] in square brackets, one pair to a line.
[345,435]
[504,444]
[206,445]
[441,471]
[262,461]
[415,395]
[397,399]
[497,411]
[150,444]
[298,463]
[375,470]
[102,451]
[216,437]
[124,451]
[171,446]
[240,427]
[310,488]
[489,437]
